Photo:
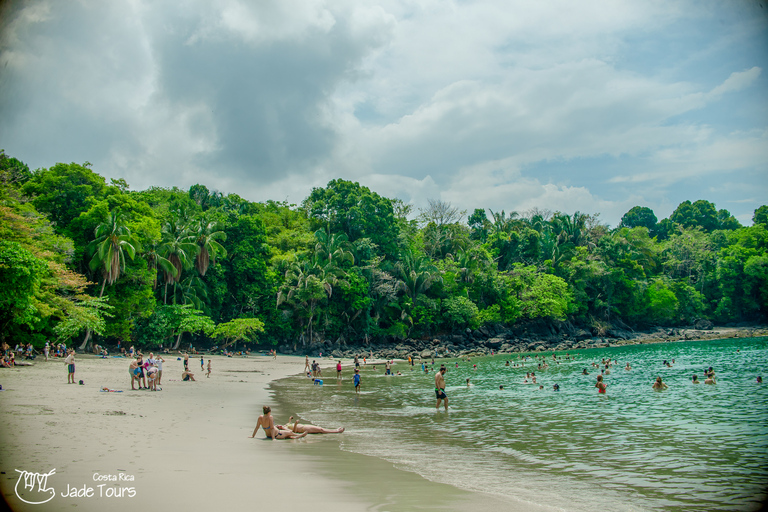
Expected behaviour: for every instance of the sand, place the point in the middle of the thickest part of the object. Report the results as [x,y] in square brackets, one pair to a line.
[187,447]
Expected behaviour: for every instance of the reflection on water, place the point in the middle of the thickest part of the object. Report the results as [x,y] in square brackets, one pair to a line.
[691,447]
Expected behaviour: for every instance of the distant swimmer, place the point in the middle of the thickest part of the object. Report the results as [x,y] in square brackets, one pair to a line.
[556,387]
[585,372]
[759,379]
[440,388]
[267,422]
[659,385]
[710,380]
[300,428]
[628,367]
[600,384]
[695,380]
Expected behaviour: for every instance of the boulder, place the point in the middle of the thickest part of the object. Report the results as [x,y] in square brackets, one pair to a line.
[494,343]
[337,354]
[702,324]
[425,354]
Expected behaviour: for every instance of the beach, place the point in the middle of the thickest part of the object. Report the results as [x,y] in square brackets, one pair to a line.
[187,447]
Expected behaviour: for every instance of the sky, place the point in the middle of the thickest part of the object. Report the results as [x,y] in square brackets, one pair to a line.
[590,106]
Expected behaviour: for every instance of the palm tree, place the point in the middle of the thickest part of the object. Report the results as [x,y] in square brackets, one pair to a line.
[206,237]
[179,248]
[113,242]
[332,249]
[417,274]
[158,263]
[306,284]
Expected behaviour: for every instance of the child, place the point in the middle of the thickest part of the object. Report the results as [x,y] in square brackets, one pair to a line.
[338,369]
[357,381]
[70,362]
[209,369]
[202,363]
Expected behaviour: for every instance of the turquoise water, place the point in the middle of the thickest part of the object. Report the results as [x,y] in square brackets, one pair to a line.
[691,447]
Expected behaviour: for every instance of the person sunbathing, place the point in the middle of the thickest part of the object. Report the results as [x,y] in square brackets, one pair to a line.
[267,422]
[309,429]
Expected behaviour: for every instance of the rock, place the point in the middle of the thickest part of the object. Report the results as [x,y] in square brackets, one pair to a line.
[494,343]
[702,324]
[337,354]
[425,354]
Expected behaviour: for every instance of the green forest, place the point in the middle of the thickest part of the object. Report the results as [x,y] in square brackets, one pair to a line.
[83,259]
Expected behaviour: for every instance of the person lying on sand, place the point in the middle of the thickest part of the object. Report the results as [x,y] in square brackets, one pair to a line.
[309,429]
[268,423]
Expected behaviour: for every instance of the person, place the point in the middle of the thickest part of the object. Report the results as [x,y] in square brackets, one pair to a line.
[759,379]
[338,369]
[133,369]
[46,349]
[388,368]
[468,384]
[152,376]
[695,380]
[710,379]
[309,429]
[267,422]
[601,385]
[440,388]
[159,361]
[142,374]
[306,363]
[186,361]
[556,387]
[357,362]
[357,381]
[187,375]
[501,387]
[628,368]
[659,385]
[585,372]
[209,369]
[70,362]
[202,363]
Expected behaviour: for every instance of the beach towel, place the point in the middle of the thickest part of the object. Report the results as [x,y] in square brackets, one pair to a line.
[111,390]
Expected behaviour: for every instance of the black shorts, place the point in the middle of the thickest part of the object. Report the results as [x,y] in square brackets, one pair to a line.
[440,394]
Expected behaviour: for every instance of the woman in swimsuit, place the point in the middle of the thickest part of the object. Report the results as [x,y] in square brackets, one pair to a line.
[600,384]
[299,428]
[268,423]
[659,385]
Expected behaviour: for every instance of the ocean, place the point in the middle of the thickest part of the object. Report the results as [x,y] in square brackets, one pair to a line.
[687,448]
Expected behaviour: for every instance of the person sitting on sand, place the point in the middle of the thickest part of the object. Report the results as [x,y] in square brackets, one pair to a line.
[300,428]
[187,375]
[659,385]
[268,423]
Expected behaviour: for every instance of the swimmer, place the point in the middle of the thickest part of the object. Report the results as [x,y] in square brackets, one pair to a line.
[585,372]
[556,387]
[299,428]
[710,379]
[268,423]
[501,388]
[628,368]
[600,385]
[468,384]
[659,385]
[759,379]
[695,380]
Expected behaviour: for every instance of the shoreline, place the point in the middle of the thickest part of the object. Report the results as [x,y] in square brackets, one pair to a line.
[187,447]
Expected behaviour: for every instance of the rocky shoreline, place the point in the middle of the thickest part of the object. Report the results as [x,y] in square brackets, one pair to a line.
[520,339]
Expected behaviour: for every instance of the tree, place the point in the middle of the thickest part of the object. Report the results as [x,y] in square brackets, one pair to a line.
[238,329]
[21,275]
[441,213]
[88,314]
[206,235]
[639,216]
[699,214]
[112,244]
[347,207]
[761,216]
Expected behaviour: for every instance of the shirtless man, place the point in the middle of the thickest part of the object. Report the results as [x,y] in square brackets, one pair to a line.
[440,388]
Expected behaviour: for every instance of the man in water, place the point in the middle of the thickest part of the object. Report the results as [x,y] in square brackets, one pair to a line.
[440,387]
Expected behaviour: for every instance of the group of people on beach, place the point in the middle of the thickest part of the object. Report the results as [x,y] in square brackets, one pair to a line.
[148,373]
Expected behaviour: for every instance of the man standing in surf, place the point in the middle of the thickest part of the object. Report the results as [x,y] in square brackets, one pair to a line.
[440,388]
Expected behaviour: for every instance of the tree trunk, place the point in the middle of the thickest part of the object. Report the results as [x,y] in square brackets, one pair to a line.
[178,341]
[88,332]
